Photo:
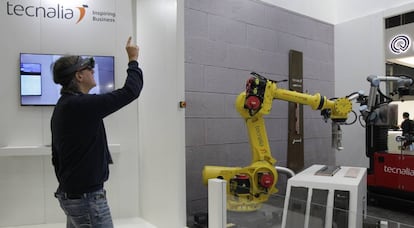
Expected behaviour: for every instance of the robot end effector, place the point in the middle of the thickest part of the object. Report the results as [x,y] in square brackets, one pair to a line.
[341,107]
[340,117]
[401,86]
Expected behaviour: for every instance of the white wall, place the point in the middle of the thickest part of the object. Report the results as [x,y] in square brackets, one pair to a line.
[28,181]
[352,9]
[338,11]
[359,52]
[161,121]
[323,10]
[148,177]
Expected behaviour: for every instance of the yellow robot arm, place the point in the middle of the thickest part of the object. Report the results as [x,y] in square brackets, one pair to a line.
[250,186]
[260,93]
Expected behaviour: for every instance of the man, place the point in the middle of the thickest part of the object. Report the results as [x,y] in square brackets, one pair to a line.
[407,127]
[80,154]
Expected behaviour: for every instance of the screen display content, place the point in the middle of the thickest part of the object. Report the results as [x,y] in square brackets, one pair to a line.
[36,78]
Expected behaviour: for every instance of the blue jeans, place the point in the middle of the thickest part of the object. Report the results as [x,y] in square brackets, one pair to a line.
[86,210]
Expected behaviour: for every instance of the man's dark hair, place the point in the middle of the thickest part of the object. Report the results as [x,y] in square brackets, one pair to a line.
[62,76]
[406,115]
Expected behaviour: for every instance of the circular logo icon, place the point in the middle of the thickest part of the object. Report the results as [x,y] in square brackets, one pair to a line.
[400,44]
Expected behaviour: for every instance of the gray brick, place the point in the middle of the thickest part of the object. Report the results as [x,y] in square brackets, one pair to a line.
[224,80]
[273,17]
[281,186]
[196,23]
[261,38]
[273,63]
[194,77]
[284,128]
[222,131]
[319,51]
[226,30]
[206,52]
[287,42]
[323,32]
[316,128]
[196,159]
[303,27]
[201,5]
[327,72]
[279,151]
[251,12]
[317,151]
[239,154]
[275,128]
[229,108]
[308,113]
[195,132]
[247,11]
[200,156]
[312,69]
[196,205]
[195,187]
[223,8]
[279,109]
[284,20]
[204,104]
[243,58]
[323,87]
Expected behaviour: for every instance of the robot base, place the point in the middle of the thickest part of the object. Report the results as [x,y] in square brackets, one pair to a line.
[234,203]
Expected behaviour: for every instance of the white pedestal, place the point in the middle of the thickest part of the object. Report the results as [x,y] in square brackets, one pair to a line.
[217,213]
[314,201]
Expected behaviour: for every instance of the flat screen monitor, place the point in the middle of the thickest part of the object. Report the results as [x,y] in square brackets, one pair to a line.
[36,78]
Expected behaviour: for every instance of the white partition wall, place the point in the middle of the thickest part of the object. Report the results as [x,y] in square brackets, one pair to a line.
[161,120]
[217,203]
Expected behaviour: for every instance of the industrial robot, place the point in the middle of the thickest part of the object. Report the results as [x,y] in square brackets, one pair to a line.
[391,171]
[248,187]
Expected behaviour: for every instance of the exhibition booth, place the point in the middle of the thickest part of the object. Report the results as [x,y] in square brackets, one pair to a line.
[196,57]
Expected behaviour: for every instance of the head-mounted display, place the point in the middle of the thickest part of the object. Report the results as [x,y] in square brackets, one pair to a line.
[81,64]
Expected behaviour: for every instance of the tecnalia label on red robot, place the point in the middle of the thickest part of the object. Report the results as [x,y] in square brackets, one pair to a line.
[400,171]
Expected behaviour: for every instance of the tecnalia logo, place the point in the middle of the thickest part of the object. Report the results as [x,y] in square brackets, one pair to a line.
[400,171]
[56,12]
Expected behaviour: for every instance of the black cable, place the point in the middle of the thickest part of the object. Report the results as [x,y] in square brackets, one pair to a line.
[382,94]
[355,119]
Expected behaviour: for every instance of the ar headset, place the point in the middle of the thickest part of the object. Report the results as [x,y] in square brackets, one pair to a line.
[81,64]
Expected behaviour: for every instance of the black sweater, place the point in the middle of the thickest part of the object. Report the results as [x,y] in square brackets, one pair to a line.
[80,153]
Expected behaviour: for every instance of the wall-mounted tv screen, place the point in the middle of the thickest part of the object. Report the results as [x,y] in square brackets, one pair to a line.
[36,78]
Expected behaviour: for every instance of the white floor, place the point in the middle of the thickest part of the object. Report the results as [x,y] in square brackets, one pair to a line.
[118,223]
